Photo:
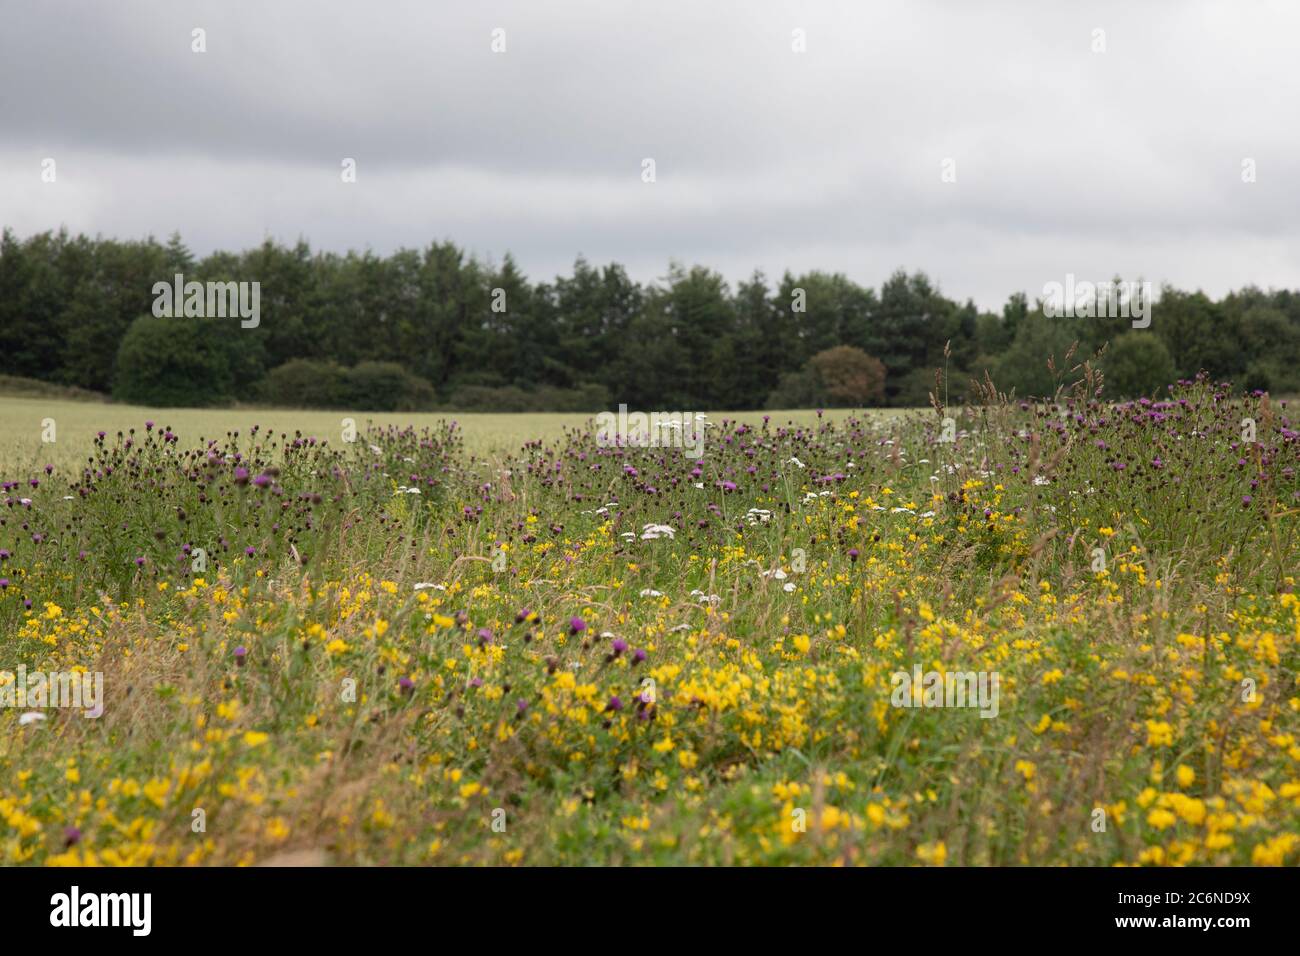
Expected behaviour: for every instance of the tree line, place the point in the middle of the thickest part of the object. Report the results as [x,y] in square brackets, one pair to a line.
[434,327]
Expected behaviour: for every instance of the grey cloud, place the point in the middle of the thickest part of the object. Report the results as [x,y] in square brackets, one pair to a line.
[1068,161]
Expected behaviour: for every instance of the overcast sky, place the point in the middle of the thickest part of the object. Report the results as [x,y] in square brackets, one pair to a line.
[1128,161]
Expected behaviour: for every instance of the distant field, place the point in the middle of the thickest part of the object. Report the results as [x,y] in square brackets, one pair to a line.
[76,423]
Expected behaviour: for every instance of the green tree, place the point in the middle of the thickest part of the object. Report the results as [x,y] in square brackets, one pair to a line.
[171,362]
[306,383]
[1035,362]
[910,328]
[1136,364]
[1193,331]
[838,377]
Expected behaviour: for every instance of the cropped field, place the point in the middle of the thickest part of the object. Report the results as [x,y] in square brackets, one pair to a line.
[77,422]
[511,642]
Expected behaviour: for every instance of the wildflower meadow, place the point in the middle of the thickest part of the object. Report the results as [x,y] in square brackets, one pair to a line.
[1007,633]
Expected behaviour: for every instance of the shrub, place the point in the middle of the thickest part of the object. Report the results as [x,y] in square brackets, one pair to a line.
[305,383]
[849,376]
[369,386]
[175,362]
[796,390]
[914,388]
[839,377]
[387,387]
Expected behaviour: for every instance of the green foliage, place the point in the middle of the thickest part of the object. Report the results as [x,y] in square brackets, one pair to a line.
[691,340]
[387,387]
[838,377]
[797,390]
[1137,364]
[370,386]
[305,383]
[177,363]
[1033,364]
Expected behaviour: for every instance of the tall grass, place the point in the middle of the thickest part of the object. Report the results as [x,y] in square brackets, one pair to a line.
[398,651]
